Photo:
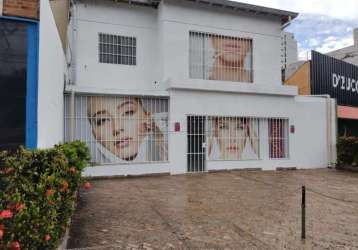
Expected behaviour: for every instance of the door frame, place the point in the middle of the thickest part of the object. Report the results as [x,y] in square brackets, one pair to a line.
[203,149]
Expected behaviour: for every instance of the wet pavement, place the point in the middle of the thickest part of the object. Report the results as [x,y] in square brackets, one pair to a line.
[227,210]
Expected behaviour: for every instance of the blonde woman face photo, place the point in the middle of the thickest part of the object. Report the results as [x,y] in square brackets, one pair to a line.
[119,124]
[231,134]
[230,51]
[230,55]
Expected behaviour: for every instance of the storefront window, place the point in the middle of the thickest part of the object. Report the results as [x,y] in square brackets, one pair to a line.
[119,129]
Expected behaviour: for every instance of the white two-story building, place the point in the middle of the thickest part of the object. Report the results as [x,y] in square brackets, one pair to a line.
[188,86]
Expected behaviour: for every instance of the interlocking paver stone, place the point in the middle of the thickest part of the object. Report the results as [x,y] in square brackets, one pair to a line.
[229,210]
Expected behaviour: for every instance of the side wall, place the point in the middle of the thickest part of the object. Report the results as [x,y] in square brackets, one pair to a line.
[301,79]
[51,80]
[60,12]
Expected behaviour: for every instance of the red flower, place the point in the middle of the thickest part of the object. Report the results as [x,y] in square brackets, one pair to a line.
[87,185]
[73,170]
[49,192]
[6,214]
[47,237]
[15,245]
[1,233]
[2,227]
[19,207]
[64,186]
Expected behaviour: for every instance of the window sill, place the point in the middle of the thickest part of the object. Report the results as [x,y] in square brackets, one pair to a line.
[232,87]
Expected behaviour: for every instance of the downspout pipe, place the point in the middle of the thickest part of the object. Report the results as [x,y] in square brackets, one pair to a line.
[73,42]
[72,115]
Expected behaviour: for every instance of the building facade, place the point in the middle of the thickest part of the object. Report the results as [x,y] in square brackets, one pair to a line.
[325,75]
[182,86]
[348,54]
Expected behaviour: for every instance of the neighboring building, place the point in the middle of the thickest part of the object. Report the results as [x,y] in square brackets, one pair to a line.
[18,73]
[31,74]
[291,69]
[60,10]
[289,51]
[348,54]
[325,75]
[188,86]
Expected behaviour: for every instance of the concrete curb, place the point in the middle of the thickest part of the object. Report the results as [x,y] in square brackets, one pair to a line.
[63,245]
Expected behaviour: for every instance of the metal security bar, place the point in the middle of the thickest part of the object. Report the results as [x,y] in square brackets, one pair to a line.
[196,134]
[222,138]
[117,49]
[278,138]
[119,129]
[217,57]
[233,138]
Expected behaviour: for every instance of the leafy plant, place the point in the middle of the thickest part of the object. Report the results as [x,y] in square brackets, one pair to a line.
[38,192]
[347,151]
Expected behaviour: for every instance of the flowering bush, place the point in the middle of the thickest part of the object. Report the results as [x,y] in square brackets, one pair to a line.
[37,194]
[347,151]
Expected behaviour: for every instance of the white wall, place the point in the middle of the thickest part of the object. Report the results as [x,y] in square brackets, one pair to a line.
[307,146]
[50,80]
[119,19]
[163,42]
[163,56]
[178,19]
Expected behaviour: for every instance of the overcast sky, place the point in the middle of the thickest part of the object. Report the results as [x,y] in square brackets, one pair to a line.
[346,9]
[323,25]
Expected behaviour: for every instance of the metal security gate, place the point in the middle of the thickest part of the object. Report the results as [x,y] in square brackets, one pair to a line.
[196,154]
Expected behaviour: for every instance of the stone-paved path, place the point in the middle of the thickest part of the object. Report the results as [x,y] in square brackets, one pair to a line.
[227,210]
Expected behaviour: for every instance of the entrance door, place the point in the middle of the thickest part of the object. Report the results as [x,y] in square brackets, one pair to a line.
[196,143]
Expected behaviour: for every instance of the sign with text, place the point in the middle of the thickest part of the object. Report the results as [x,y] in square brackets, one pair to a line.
[337,78]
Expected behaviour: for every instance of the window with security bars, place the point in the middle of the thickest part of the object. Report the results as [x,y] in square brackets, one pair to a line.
[119,129]
[278,138]
[114,49]
[233,138]
[217,57]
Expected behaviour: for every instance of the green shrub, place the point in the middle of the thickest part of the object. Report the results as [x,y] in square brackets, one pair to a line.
[347,151]
[38,193]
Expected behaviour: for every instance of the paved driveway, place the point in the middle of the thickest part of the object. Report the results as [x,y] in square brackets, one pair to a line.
[227,210]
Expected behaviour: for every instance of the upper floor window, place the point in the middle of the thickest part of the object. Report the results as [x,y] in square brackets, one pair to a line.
[216,57]
[117,49]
